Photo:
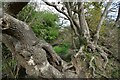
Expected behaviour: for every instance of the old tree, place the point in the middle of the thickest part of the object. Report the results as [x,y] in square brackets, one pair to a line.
[38,57]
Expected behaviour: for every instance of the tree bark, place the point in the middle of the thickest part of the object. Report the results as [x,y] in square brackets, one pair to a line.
[13,8]
[36,56]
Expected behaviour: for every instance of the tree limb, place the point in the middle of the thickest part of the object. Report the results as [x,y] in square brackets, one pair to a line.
[96,36]
[118,16]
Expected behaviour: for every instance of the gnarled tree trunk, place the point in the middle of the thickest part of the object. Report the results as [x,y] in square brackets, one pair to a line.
[36,56]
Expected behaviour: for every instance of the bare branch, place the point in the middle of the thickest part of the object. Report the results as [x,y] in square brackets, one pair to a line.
[96,36]
[73,22]
[69,10]
[118,17]
[55,6]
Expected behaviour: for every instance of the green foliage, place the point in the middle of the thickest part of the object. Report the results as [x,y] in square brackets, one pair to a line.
[88,55]
[43,23]
[116,73]
[25,14]
[49,18]
[47,33]
[62,49]
[8,62]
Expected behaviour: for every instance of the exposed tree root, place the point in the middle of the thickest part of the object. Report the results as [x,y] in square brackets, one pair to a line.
[93,50]
[17,71]
[91,65]
[107,51]
[104,55]
[103,75]
[101,51]
[80,52]
[51,52]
